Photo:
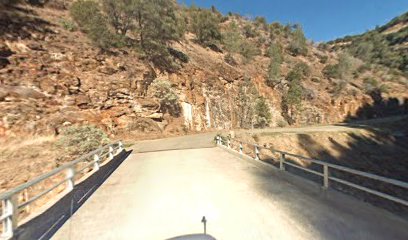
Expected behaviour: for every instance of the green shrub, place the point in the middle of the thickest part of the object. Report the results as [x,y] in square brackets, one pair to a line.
[282,123]
[261,22]
[346,66]
[249,50]
[245,102]
[293,97]
[179,55]
[303,68]
[232,38]
[331,71]
[275,30]
[78,140]
[261,40]
[372,85]
[68,25]
[90,20]
[384,88]
[292,100]
[342,70]
[298,44]
[294,76]
[235,43]
[151,23]
[363,68]
[249,31]
[205,25]
[276,59]
[339,87]
[262,113]
[323,59]
[273,77]
[163,90]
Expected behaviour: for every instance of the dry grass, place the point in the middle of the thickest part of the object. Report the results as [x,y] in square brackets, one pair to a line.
[22,159]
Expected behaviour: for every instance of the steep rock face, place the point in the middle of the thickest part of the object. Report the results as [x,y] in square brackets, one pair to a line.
[51,77]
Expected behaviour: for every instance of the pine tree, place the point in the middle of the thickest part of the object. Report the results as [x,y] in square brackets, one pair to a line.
[292,101]
[275,61]
[232,38]
[91,20]
[153,21]
[205,25]
[298,44]
[262,113]
[245,108]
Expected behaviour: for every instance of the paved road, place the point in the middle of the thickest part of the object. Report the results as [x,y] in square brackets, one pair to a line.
[161,195]
[202,140]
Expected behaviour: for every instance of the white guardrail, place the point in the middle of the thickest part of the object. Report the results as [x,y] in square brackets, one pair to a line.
[11,206]
[326,170]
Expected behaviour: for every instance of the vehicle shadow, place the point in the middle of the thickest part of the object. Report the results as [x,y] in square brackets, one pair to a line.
[45,225]
[193,237]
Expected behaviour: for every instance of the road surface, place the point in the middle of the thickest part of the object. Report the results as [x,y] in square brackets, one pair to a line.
[164,194]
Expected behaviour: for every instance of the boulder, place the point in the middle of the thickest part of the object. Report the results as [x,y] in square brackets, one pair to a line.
[48,85]
[82,101]
[35,46]
[156,116]
[149,104]
[73,84]
[143,125]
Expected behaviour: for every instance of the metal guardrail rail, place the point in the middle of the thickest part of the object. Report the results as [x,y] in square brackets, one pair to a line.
[326,170]
[11,206]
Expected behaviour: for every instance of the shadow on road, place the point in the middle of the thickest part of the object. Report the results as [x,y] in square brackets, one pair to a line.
[332,214]
[46,224]
[193,237]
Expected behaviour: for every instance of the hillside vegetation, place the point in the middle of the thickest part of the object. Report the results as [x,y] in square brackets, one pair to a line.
[160,67]
[385,45]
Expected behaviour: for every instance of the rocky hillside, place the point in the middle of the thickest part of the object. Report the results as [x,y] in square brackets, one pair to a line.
[52,75]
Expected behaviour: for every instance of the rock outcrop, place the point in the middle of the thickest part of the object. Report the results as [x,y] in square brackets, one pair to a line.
[51,77]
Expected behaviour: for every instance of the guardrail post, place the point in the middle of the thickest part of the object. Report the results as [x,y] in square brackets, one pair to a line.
[110,157]
[240,148]
[70,179]
[10,207]
[120,148]
[228,143]
[281,162]
[96,162]
[256,153]
[325,176]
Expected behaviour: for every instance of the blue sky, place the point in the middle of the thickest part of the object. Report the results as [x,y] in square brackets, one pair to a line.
[322,20]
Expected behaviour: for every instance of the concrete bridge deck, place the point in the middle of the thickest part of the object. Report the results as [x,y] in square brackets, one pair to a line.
[161,195]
